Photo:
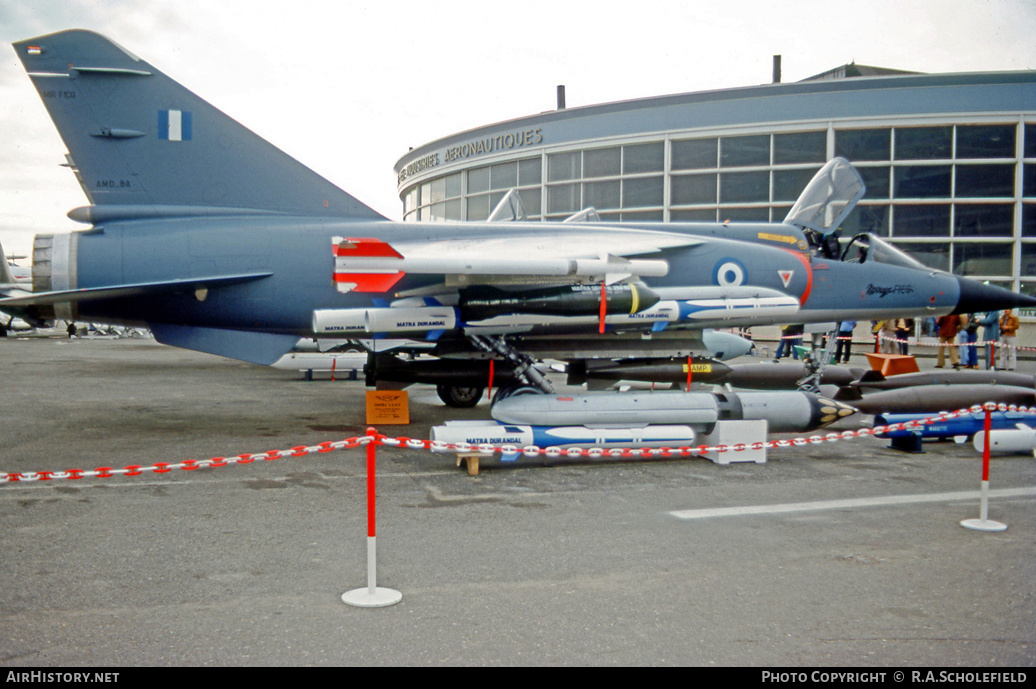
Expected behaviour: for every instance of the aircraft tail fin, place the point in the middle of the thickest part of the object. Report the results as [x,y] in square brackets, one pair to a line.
[138,138]
[6,276]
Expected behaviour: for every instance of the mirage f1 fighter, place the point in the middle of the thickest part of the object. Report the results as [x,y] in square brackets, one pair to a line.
[219,242]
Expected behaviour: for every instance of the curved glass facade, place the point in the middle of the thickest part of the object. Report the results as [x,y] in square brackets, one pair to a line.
[957,192]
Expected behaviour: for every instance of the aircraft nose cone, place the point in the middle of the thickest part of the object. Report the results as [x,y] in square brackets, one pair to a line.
[976,296]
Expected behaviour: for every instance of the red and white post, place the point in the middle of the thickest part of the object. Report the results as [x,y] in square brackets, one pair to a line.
[983,523]
[372,596]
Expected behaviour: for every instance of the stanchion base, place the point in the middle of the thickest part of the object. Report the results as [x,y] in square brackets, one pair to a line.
[363,598]
[983,525]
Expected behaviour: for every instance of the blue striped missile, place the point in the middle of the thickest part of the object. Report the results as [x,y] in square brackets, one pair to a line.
[522,435]
[964,425]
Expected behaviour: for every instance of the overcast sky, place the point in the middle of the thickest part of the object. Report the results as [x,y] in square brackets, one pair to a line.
[347,87]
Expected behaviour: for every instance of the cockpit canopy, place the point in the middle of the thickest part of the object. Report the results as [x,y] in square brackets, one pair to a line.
[825,203]
[828,198]
[869,247]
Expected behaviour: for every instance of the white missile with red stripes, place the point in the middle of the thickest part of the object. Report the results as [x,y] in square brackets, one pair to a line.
[372,265]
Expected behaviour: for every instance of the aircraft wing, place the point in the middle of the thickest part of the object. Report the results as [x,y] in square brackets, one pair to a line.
[372,265]
[120,291]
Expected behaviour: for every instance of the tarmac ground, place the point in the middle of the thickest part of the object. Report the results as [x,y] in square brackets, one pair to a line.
[537,562]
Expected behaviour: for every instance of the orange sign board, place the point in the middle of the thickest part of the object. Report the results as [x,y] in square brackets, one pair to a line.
[388,407]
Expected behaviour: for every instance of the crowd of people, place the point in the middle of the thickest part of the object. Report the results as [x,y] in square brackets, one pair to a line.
[958,339]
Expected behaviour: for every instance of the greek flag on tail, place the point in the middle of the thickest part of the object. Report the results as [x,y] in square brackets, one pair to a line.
[174,125]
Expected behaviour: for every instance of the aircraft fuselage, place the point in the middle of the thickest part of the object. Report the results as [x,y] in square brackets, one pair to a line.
[290,265]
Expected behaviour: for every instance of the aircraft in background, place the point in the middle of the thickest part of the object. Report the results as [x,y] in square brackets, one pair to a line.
[224,244]
[14,279]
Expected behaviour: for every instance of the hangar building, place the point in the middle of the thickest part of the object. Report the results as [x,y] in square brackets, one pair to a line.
[949,161]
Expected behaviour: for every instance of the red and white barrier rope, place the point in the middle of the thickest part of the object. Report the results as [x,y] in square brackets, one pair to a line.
[915,342]
[467,448]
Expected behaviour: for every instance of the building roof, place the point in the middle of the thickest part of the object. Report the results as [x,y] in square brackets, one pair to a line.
[852,69]
[892,94]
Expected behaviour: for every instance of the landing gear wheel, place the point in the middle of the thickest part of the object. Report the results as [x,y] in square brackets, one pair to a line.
[459,396]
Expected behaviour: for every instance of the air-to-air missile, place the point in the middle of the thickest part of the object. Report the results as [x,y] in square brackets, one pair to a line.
[486,301]
[598,374]
[785,411]
[601,373]
[963,425]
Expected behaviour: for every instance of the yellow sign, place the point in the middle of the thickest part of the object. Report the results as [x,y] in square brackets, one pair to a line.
[776,237]
[698,368]
[387,407]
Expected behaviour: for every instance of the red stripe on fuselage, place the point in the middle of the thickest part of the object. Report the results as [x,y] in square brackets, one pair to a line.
[370,282]
[809,274]
[365,246]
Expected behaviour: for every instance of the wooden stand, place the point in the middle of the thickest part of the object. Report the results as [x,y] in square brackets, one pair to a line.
[471,462]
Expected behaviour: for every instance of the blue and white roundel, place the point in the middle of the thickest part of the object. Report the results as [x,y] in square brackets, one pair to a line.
[729,272]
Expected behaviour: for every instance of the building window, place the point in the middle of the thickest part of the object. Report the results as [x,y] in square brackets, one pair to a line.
[1029,180]
[788,184]
[641,158]
[877,181]
[1029,261]
[935,256]
[921,221]
[922,181]
[530,171]
[870,218]
[696,215]
[982,258]
[694,154]
[602,162]
[745,214]
[863,144]
[563,198]
[984,181]
[641,192]
[744,151]
[478,207]
[924,143]
[983,220]
[985,141]
[800,147]
[744,187]
[601,195]
[1029,222]
[478,180]
[503,176]
[564,166]
[688,190]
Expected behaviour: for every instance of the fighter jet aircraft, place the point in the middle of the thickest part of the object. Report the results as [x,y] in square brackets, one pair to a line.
[219,242]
